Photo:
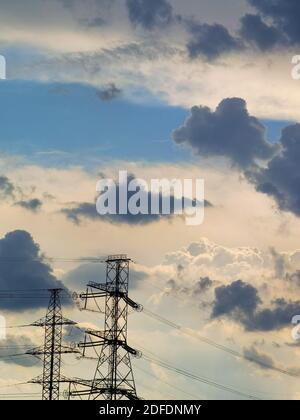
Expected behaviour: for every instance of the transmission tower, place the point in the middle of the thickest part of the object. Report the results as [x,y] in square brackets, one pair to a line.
[113,378]
[53,348]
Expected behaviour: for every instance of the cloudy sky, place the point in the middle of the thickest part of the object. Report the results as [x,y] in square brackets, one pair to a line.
[161,89]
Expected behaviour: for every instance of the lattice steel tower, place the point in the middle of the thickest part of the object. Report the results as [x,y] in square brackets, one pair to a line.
[53,348]
[113,379]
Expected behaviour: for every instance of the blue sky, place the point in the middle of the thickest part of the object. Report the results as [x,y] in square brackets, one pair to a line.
[71,118]
[54,124]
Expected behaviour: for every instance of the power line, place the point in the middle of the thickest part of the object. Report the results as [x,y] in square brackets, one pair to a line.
[219,346]
[193,396]
[198,378]
[205,305]
[97,260]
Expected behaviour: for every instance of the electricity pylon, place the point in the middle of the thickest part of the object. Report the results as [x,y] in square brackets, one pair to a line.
[113,378]
[53,348]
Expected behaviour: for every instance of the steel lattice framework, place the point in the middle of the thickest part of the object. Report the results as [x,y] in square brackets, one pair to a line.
[113,379]
[53,348]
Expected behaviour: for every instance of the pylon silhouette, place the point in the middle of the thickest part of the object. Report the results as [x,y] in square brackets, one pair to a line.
[52,348]
[113,378]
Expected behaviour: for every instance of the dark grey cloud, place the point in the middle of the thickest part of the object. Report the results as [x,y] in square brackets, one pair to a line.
[257,32]
[275,24]
[229,132]
[284,15]
[238,297]
[240,302]
[274,318]
[280,179]
[23,267]
[87,211]
[7,188]
[232,133]
[210,41]
[150,14]
[109,92]
[33,205]
[81,211]
[18,345]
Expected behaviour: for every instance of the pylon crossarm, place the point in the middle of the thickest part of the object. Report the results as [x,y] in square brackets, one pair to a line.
[36,351]
[69,350]
[91,295]
[133,304]
[37,380]
[90,344]
[43,322]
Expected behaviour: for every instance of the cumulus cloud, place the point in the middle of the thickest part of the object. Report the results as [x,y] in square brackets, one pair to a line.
[274,25]
[280,179]
[264,298]
[205,258]
[229,131]
[150,14]
[284,14]
[23,267]
[274,318]
[240,302]
[109,92]
[235,298]
[259,33]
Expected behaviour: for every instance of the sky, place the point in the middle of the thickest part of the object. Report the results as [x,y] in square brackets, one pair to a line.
[161,89]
